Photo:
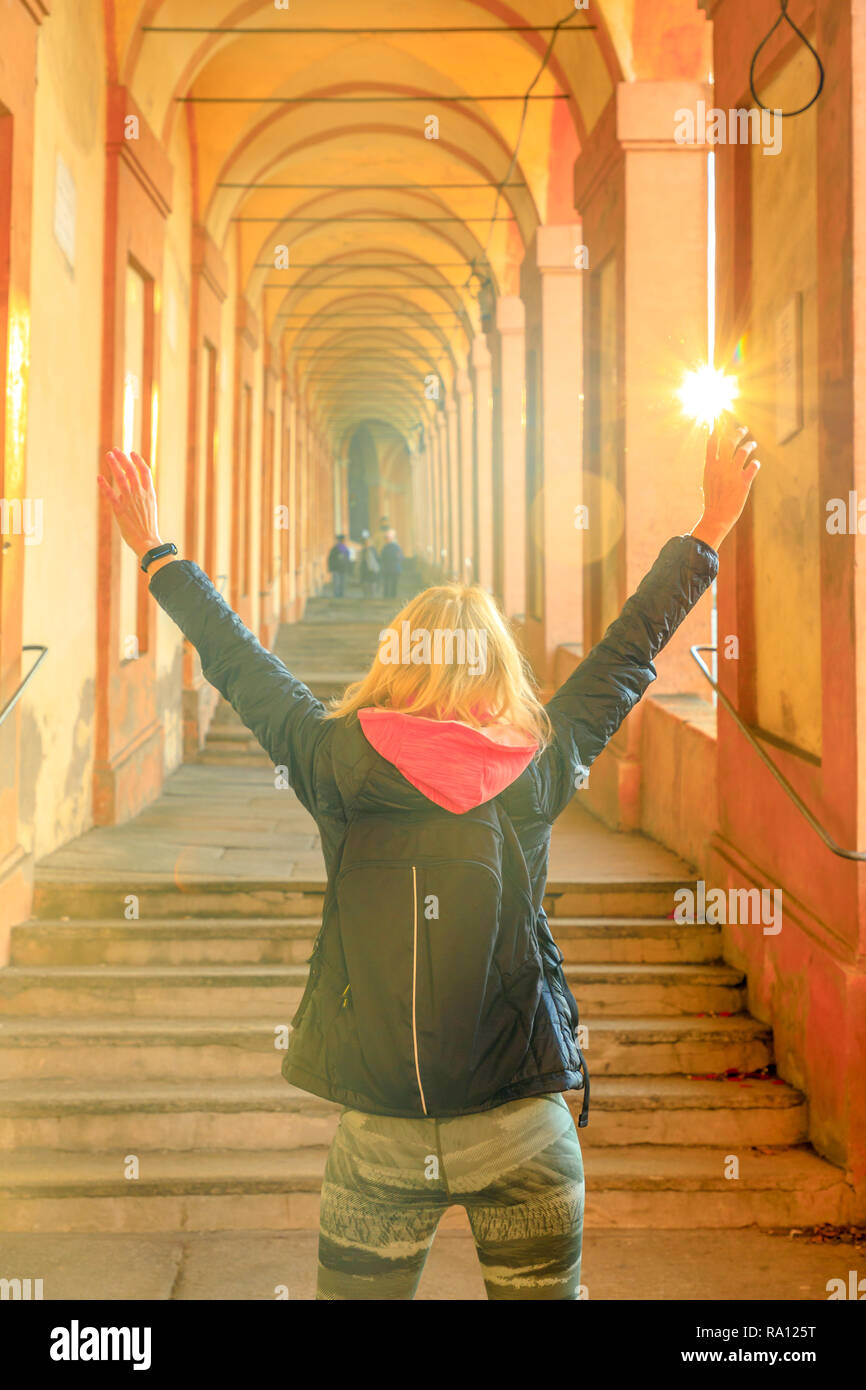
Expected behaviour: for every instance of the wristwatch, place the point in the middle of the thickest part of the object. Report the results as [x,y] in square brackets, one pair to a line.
[157,553]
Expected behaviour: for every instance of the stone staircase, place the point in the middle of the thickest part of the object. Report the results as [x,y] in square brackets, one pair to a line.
[156,1040]
[140,1085]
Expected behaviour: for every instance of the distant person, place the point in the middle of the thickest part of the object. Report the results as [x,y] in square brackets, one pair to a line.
[339,564]
[369,566]
[391,564]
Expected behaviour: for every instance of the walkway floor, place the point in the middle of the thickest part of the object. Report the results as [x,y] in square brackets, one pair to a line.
[717,1266]
[236,825]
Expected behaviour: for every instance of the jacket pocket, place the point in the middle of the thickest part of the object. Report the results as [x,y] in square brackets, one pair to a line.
[369,1041]
[314,960]
[522,992]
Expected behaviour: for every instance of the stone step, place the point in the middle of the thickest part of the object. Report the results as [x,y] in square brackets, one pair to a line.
[731,1113]
[641,1186]
[635,940]
[352,612]
[232,736]
[252,940]
[234,753]
[272,991]
[703,1045]
[59,894]
[170,941]
[234,733]
[627,990]
[113,1047]
[612,898]
[267,1114]
[232,756]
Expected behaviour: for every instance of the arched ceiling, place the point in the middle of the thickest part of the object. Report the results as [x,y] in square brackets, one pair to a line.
[317,142]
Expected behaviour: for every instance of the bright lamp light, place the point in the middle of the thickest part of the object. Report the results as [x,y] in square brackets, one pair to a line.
[705,393]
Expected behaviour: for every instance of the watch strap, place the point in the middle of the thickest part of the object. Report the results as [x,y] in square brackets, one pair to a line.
[169,548]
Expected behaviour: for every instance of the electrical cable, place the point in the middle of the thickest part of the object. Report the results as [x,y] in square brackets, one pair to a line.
[783,6]
[391,217]
[474,272]
[431,98]
[427,29]
[359,187]
[365,265]
[335,287]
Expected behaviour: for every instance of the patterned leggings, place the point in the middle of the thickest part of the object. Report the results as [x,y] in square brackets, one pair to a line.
[516,1169]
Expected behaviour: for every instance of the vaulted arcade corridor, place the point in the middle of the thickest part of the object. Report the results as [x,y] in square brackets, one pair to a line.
[439,273]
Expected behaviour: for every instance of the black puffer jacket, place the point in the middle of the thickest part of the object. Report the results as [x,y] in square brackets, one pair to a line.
[528,1045]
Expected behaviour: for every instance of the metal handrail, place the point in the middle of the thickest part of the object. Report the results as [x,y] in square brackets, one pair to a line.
[779,776]
[10,704]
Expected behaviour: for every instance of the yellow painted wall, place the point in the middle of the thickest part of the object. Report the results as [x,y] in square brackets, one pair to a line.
[225,443]
[256,465]
[63,431]
[172,434]
[60,586]
[788,512]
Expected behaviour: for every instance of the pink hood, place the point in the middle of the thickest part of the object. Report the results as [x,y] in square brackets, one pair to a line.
[450,763]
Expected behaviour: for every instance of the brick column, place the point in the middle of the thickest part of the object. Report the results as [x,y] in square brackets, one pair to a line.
[558,306]
[294,505]
[511,452]
[242,580]
[128,764]
[208,289]
[446,543]
[284,498]
[268,608]
[467,512]
[647,320]
[432,438]
[453,427]
[484,459]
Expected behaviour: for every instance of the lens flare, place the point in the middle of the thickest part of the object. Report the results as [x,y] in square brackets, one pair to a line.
[705,393]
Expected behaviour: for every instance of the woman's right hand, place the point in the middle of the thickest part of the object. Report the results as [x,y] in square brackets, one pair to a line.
[729,471]
[132,498]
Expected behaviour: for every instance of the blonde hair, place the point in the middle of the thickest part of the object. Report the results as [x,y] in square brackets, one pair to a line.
[504,691]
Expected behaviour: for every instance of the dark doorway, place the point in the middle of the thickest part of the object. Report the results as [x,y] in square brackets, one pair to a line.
[363,475]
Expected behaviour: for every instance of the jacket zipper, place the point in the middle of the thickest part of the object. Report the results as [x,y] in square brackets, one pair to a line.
[312,980]
[415,980]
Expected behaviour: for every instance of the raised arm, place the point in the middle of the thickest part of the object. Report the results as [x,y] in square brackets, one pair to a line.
[279,710]
[588,709]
